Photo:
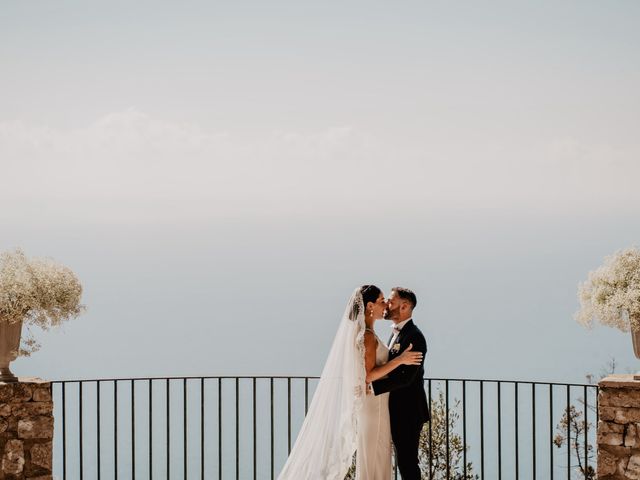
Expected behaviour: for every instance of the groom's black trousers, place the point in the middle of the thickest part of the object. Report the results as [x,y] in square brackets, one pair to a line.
[406,439]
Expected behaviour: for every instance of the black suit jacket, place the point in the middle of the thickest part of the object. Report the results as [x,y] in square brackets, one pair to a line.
[407,398]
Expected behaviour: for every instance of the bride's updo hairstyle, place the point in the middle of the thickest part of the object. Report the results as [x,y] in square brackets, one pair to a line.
[370,293]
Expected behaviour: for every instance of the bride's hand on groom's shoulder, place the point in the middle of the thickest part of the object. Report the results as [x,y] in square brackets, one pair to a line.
[409,357]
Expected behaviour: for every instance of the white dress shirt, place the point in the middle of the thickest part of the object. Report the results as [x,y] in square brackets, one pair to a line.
[397,327]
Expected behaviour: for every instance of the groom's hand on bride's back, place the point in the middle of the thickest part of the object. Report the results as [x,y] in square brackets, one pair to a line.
[409,357]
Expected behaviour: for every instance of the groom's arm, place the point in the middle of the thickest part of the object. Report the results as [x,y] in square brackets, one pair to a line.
[404,374]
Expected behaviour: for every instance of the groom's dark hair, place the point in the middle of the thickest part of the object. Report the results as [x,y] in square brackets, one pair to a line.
[406,294]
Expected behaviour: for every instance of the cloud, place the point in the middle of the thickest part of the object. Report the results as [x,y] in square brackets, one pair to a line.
[130,157]
[130,165]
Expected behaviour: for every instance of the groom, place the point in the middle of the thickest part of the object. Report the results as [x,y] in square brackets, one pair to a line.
[408,408]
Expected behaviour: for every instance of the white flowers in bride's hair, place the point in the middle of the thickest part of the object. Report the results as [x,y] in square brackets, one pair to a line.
[39,292]
[611,295]
[395,348]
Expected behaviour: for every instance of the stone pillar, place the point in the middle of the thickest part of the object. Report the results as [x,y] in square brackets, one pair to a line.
[26,430]
[619,428]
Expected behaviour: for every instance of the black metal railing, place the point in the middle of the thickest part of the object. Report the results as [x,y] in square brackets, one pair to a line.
[243,428]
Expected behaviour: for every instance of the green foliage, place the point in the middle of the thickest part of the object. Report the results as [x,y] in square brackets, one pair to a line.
[434,460]
[571,428]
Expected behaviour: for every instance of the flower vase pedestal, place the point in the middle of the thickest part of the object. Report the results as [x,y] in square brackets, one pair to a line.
[27,425]
[9,344]
[618,438]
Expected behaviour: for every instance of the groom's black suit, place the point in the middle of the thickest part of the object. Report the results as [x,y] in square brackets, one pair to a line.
[408,407]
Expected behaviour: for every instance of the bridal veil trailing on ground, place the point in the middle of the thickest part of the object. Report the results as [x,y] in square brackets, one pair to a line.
[327,440]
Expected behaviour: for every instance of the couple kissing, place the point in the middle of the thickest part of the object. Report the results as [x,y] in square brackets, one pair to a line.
[370,395]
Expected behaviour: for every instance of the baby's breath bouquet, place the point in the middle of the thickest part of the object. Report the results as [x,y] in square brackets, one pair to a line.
[611,295]
[37,292]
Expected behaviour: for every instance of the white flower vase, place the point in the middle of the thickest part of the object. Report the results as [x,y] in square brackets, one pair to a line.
[9,344]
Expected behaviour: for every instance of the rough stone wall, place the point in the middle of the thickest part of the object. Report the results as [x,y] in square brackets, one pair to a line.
[619,428]
[26,430]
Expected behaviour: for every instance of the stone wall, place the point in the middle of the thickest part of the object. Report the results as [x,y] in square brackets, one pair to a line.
[619,428]
[26,430]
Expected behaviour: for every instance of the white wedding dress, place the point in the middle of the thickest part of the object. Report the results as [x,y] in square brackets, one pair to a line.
[373,456]
[342,419]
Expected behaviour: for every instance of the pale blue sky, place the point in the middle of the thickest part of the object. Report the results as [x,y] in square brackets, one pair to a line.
[210,168]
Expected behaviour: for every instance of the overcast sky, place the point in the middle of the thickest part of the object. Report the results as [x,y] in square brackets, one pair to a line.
[222,174]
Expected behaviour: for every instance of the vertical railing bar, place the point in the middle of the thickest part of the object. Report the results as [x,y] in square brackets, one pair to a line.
[255,434]
[464,428]
[185,420]
[168,427]
[430,436]
[499,432]
[516,433]
[306,395]
[568,432]
[586,439]
[482,429]
[115,428]
[289,415]
[64,431]
[272,450]
[551,431]
[98,427]
[596,399]
[202,428]
[80,426]
[447,443]
[133,430]
[597,405]
[237,428]
[533,427]
[150,429]
[220,428]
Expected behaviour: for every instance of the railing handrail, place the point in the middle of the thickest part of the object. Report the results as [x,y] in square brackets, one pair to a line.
[315,377]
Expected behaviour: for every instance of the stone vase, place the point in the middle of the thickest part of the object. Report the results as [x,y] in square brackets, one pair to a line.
[9,344]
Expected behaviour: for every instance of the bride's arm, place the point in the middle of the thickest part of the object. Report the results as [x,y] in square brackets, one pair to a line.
[401,377]
[407,357]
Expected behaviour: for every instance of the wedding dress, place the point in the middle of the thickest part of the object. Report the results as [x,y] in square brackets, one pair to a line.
[373,455]
[341,417]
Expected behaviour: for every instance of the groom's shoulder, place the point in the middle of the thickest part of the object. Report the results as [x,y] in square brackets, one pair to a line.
[415,330]
[416,337]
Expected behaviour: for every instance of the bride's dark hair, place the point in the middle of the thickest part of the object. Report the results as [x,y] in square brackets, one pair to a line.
[370,293]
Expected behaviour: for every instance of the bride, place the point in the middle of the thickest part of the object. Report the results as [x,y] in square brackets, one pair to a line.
[342,418]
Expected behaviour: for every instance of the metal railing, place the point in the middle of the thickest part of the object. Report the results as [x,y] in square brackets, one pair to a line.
[243,428]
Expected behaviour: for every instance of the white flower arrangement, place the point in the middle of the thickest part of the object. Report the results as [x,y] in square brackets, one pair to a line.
[39,292]
[611,295]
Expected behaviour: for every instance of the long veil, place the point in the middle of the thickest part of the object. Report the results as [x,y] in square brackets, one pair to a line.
[327,440]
